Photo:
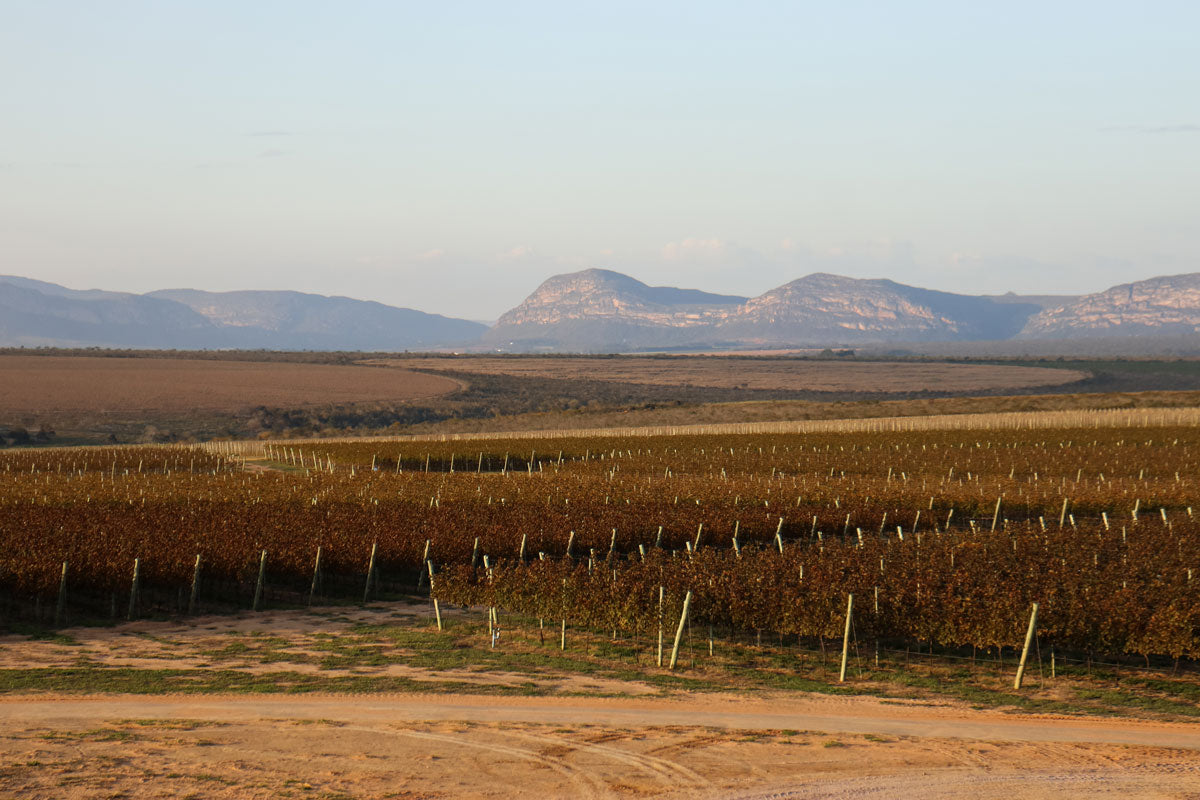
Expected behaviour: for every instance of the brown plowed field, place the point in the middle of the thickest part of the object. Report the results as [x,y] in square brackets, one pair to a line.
[729,372]
[42,385]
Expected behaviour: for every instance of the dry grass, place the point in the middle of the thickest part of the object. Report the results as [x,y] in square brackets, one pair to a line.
[799,410]
[729,372]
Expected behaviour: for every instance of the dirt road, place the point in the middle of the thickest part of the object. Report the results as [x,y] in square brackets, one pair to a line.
[478,746]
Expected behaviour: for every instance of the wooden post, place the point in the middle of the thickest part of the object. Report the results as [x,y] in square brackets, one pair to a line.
[562,643]
[660,625]
[133,591]
[60,610]
[1025,650]
[262,574]
[421,572]
[437,609]
[522,556]
[996,514]
[195,587]
[846,637]
[1063,516]
[370,573]
[687,601]
[316,581]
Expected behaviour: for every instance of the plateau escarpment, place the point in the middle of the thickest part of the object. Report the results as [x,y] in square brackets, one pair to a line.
[1163,306]
[598,310]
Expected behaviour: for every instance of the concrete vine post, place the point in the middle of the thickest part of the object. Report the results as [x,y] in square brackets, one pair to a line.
[1025,650]
[195,587]
[846,637]
[60,609]
[316,581]
[370,573]
[660,625]
[683,615]
[133,591]
[258,586]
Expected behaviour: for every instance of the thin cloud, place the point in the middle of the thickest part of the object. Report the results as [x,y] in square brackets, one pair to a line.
[270,133]
[518,252]
[1151,129]
[692,248]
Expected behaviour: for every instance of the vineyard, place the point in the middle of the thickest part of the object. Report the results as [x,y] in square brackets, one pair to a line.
[945,537]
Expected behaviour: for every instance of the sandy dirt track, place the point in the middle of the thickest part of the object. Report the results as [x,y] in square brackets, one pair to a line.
[474,746]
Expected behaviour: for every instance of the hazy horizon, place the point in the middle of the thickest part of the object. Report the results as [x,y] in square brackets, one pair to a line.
[450,158]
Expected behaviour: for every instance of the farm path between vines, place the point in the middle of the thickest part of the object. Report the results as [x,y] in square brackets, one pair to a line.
[481,746]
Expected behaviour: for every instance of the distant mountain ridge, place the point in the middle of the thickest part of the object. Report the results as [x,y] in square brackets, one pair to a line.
[1164,306]
[599,307]
[822,308]
[35,313]
[599,310]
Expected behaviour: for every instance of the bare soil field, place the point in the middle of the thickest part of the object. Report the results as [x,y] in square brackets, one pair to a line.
[731,372]
[592,736]
[123,385]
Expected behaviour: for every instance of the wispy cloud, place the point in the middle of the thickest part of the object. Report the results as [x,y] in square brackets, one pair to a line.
[270,133]
[692,248]
[1150,129]
[518,252]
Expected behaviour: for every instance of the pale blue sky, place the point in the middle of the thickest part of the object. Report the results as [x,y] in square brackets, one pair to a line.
[448,156]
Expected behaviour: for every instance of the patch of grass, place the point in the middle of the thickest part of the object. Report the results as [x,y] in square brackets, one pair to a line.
[96,735]
[171,724]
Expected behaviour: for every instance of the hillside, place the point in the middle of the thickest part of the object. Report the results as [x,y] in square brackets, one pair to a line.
[1163,306]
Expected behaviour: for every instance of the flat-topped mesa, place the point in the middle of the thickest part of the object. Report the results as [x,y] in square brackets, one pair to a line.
[598,309]
[1162,306]
[821,308]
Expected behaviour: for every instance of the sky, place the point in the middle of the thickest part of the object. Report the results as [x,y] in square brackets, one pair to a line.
[449,156]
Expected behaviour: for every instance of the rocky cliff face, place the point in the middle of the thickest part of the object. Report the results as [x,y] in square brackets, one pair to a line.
[830,309]
[597,309]
[1165,306]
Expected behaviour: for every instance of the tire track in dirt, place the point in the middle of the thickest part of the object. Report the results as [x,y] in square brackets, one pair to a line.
[589,786]
[672,773]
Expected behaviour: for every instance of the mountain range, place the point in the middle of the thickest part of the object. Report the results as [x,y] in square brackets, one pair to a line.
[596,310]
[35,313]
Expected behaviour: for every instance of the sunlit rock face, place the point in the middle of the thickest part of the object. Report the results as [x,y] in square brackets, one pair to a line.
[600,310]
[1164,306]
[822,308]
